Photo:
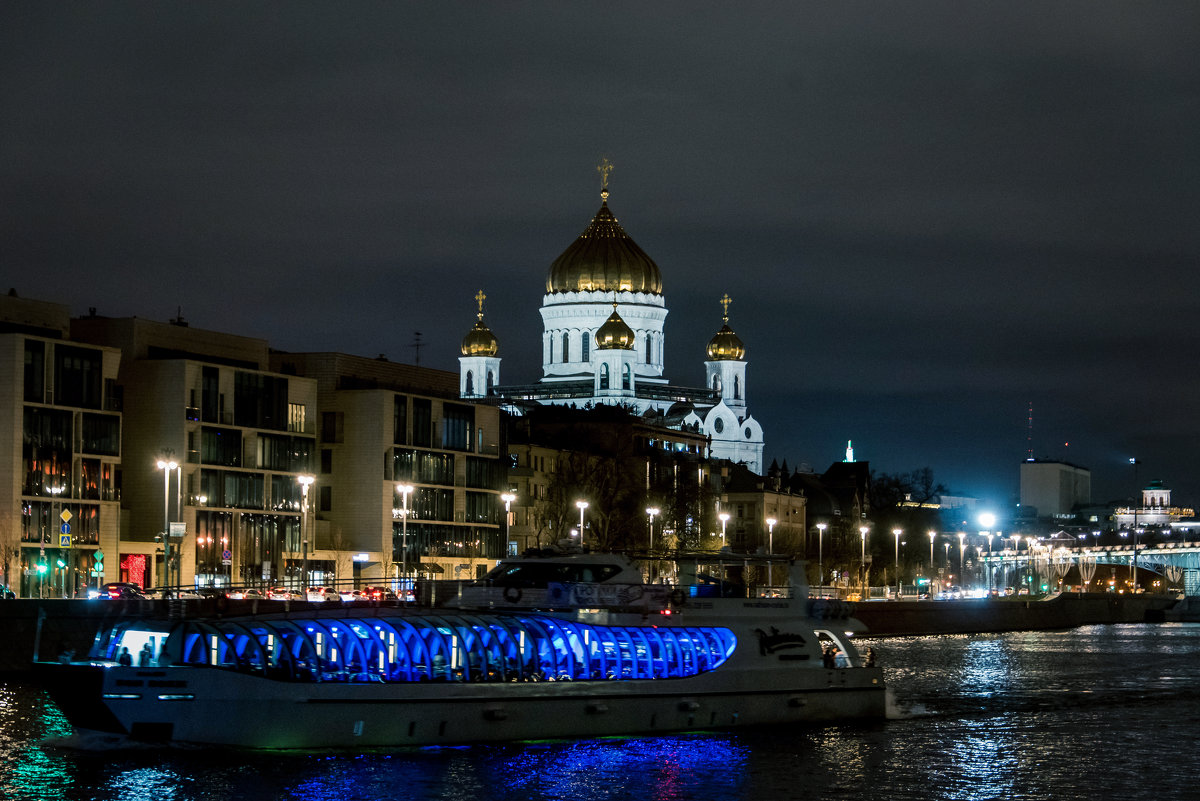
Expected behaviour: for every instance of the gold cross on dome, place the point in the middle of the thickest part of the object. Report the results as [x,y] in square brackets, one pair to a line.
[604,169]
[725,301]
[479,296]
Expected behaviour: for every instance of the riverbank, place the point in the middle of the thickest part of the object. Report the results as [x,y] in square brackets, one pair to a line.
[991,615]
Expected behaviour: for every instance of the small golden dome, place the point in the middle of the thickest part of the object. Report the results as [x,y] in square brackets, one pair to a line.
[725,345]
[615,334]
[480,341]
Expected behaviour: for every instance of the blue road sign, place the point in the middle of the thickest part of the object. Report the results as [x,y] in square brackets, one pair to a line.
[65,528]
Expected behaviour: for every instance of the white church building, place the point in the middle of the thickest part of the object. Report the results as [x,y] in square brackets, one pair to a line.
[603,340]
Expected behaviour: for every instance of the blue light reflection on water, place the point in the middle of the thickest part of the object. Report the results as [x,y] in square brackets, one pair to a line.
[1048,716]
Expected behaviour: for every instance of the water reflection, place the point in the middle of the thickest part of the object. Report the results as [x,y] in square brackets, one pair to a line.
[1023,716]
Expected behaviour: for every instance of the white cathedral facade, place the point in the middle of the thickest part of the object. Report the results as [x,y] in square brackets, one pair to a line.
[603,340]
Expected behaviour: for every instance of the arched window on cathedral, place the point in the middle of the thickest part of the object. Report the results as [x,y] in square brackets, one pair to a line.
[604,376]
[470,383]
[566,347]
[649,348]
[491,382]
[626,377]
[737,387]
[585,341]
[716,383]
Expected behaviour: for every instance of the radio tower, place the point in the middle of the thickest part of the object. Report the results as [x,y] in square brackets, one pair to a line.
[1029,436]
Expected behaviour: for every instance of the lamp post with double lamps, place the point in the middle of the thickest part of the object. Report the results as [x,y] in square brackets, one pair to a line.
[582,505]
[962,573]
[405,490]
[508,498]
[862,563]
[771,549]
[651,511]
[305,482]
[896,532]
[821,554]
[987,520]
[167,465]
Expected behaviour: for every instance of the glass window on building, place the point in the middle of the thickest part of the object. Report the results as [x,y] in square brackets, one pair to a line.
[35,371]
[422,422]
[210,395]
[400,420]
[457,422]
[78,377]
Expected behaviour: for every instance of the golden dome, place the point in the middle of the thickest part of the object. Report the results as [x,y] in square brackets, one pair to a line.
[480,341]
[604,259]
[615,333]
[725,345]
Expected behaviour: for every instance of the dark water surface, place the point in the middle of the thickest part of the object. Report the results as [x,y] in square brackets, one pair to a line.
[1091,713]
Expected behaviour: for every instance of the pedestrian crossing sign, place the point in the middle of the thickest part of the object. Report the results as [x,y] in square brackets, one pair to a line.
[64,540]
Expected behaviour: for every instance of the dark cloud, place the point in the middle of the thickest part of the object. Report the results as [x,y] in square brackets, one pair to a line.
[928,214]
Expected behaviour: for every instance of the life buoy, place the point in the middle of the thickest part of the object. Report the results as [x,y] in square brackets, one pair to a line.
[512,594]
[677,597]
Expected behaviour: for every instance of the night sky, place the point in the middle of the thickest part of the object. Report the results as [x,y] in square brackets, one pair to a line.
[929,215]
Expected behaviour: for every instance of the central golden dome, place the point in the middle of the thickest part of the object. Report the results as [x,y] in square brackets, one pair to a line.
[604,259]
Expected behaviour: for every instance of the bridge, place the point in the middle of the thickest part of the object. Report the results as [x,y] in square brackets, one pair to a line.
[1054,559]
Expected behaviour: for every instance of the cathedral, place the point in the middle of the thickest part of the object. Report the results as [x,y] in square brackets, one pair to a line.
[603,342]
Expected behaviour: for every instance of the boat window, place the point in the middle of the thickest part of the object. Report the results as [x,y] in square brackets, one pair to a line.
[454,647]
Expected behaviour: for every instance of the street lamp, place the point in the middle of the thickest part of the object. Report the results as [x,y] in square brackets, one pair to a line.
[508,498]
[404,490]
[651,511]
[771,549]
[305,482]
[1017,558]
[724,516]
[932,537]
[862,563]
[821,554]
[962,573]
[167,465]
[582,506]
[896,533]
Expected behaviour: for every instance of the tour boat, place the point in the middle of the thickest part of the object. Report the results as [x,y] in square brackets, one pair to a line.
[556,646]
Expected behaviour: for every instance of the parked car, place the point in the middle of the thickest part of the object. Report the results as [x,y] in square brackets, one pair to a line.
[118,590]
[378,594]
[323,594]
[352,595]
[248,595]
[284,594]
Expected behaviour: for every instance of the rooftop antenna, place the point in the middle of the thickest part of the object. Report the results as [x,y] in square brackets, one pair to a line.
[1029,436]
[416,346]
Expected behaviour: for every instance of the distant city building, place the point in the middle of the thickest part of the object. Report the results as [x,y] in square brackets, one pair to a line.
[603,343]
[60,453]
[1156,510]
[239,434]
[1054,488]
[449,451]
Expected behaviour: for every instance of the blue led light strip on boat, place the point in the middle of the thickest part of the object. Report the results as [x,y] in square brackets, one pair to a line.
[454,647]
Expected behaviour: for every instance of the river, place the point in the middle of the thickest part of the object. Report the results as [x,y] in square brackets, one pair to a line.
[1092,712]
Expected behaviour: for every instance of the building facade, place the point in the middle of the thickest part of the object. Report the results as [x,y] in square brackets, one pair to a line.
[61,427]
[449,452]
[1054,488]
[215,443]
